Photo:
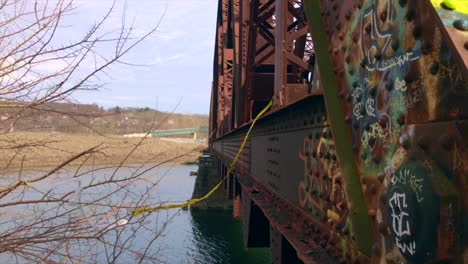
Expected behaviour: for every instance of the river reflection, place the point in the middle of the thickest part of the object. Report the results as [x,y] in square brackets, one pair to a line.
[201,237]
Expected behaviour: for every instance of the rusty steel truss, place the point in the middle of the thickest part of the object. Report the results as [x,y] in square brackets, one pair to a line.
[363,157]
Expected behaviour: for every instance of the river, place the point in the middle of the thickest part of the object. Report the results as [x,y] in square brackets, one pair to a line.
[199,237]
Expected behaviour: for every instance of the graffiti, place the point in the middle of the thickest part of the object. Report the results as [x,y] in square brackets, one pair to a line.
[376,34]
[400,223]
[448,212]
[407,177]
[400,85]
[357,104]
[320,188]
[398,60]
[370,107]
[375,131]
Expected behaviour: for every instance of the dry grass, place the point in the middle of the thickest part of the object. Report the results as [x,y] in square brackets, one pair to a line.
[49,149]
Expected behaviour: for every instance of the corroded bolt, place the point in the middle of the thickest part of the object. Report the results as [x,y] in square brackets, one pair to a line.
[372,213]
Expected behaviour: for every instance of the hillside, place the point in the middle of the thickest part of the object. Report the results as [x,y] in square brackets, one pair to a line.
[93,119]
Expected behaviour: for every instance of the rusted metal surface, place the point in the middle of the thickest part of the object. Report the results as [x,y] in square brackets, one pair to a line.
[363,158]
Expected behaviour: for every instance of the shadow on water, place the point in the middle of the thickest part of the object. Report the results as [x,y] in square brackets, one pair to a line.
[217,237]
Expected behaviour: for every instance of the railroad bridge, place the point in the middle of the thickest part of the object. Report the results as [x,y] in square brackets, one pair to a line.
[362,158]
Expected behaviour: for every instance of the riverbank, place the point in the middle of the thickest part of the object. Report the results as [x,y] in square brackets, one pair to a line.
[30,150]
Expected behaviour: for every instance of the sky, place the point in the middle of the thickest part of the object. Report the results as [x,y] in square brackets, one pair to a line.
[177,60]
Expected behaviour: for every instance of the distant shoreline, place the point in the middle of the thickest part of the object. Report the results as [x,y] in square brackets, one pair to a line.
[39,150]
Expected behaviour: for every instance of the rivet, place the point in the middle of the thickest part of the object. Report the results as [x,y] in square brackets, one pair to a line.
[373,188]
[363,155]
[395,44]
[434,68]
[355,84]
[338,26]
[345,230]
[389,85]
[348,59]
[410,15]
[368,29]
[401,119]
[417,31]
[383,15]
[426,48]
[348,15]
[373,91]
[364,62]
[376,159]
[461,24]
[382,121]
[381,176]
[378,56]
[359,4]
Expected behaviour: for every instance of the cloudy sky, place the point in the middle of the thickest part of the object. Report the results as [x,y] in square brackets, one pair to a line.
[178,58]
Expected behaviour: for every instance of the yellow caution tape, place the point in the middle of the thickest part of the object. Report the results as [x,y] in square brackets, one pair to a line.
[142,210]
[457,5]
